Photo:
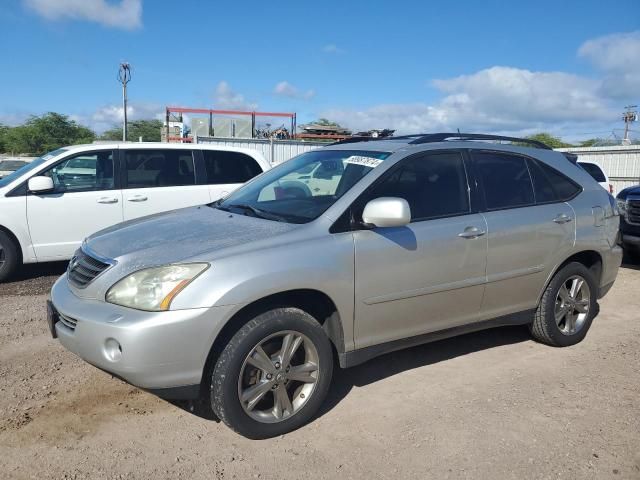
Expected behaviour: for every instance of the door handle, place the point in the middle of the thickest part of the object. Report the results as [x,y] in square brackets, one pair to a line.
[471,232]
[108,200]
[137,198]
[562,218]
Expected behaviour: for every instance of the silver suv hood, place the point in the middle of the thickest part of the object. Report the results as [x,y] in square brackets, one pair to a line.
[181,234]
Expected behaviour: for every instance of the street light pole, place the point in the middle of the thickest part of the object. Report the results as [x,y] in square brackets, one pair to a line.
[124,76]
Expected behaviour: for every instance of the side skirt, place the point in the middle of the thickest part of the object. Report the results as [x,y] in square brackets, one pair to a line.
[356,357]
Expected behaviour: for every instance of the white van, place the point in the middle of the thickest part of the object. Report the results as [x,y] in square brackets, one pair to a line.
[50,205]
[598,174]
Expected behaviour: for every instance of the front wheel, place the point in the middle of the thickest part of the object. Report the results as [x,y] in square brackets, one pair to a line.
[9,259]
[568,306]
[273,375]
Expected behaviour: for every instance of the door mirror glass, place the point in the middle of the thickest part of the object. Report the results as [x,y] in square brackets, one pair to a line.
[41,184]
[387,212]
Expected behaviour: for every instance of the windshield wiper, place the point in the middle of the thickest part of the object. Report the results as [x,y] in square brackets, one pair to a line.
[256,211]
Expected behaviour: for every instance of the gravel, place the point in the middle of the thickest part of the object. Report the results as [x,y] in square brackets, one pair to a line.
[493,404]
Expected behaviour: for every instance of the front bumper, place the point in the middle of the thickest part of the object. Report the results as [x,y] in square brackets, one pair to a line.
[631,240]
[630,233]
[157,350]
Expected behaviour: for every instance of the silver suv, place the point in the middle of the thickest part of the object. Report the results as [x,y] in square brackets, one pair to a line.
[248,302]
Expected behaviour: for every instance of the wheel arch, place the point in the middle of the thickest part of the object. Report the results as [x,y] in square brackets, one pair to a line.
[589,258]
[15,241]
[316,303]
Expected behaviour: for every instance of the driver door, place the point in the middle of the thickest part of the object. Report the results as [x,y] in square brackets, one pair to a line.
[85,199]
[425,276]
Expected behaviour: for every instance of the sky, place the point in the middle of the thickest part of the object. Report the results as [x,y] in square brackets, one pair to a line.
[511,67]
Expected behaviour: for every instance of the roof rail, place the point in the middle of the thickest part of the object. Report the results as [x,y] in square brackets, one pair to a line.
[356,139]
[420,138]
[441,137]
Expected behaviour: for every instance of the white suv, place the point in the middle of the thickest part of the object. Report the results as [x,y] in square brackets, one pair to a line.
[50,205]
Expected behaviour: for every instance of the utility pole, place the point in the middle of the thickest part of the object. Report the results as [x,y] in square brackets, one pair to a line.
[124,77]
[629,116]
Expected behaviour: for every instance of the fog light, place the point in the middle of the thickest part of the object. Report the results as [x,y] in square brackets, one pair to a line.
[112,350]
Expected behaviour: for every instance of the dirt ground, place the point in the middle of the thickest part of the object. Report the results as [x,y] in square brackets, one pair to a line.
[491,405]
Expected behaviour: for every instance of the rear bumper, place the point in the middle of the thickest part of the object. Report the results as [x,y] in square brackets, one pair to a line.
[611,261]
[164,352]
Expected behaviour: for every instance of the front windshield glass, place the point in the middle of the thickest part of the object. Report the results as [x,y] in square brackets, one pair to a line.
[300,190]
[30,166]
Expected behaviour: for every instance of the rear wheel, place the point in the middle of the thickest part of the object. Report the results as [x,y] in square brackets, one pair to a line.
[273,375]
[567,308]
[8,256]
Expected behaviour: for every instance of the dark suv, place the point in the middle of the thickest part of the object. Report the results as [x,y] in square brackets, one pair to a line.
[629,206]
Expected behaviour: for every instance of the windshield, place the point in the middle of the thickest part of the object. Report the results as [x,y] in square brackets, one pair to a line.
[30,166]
[300,190]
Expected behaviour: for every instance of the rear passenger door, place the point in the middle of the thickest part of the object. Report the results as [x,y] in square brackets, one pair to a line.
[226,171]
[158,180]
[528,229]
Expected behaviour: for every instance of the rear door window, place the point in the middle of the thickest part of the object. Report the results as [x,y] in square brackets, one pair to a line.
[505,180]
[541,184]
[159,168]
[229,167]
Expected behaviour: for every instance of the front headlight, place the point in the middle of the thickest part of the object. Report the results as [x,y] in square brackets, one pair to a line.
[153,289]
[622,206]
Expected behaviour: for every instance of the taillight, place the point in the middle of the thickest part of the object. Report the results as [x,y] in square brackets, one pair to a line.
[611,189]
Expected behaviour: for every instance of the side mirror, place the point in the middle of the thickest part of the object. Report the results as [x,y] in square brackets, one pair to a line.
[387,212]
[41,184]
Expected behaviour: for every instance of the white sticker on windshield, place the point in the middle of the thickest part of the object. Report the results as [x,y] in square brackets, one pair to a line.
[365,161]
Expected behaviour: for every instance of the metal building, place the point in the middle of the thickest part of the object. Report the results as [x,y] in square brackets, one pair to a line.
[621,163]
[275,151]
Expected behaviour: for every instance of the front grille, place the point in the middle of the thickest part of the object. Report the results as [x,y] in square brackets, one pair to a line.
[68,322]
[633,211]
[83,269]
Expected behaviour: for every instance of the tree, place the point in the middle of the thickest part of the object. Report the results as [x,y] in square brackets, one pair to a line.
[149,130]
[548,139]
[591,142]
[50,131]
[4,130]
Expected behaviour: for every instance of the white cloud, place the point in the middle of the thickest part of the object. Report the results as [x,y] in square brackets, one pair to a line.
[226,98]
[518,101]
[501,99]
[618,56]
[108,116]
[126,14]
[285,89]
[332,48]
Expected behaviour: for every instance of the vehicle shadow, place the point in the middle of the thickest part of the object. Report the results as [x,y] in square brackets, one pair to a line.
[32,271]
[630,263]
[344,380]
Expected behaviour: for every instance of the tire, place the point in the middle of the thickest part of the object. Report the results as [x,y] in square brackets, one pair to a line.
[9,259]
[559,333]
[236,372]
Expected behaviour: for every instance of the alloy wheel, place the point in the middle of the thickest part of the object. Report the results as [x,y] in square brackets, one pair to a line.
[572,305]
[278,377]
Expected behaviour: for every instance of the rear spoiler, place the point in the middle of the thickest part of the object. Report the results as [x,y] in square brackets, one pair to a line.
[572,157]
